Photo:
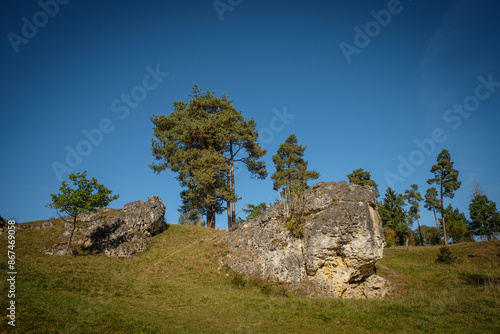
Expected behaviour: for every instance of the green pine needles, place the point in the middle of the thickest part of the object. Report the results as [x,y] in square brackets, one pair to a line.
[290,180]
[446,256]
[446,178]
[201,141]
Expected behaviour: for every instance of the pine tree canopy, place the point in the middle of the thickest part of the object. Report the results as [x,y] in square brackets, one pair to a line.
[431,200]
[484,217]
[291,168]
[446,178]
[393,214]
[201,141]
[445,175]
[362,177]
[414,198]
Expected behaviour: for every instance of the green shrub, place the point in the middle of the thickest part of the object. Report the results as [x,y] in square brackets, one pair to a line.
[238,280]
[446,255]
[266,288]
[294,225]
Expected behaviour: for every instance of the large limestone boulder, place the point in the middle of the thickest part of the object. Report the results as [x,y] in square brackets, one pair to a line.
[342,241]
[115,232]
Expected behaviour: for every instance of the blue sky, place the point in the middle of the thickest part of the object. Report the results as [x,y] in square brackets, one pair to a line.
[379,85]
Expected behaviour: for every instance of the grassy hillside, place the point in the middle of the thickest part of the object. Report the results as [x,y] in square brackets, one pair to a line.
[177,287]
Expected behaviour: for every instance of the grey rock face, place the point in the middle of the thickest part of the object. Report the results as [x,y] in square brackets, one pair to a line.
[113,232]
[343,239]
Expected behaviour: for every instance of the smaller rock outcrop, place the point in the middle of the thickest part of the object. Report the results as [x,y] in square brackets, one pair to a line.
[115,232]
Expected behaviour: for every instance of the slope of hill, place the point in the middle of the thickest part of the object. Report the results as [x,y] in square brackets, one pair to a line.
[178,286]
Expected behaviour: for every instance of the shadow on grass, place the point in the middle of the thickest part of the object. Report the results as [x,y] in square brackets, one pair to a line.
[480,280]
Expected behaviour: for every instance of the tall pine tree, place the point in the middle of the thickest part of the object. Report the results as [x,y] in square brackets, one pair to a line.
[393,214]
[291,176]
[446,178]
[414,198]
[241,146]
[200,141]
[484,216]
[432,202]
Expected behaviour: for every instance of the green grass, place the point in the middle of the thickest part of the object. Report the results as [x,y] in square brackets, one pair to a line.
[178,286]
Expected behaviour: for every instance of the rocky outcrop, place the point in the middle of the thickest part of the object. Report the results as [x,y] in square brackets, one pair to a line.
[3,225]
[342,240]
[115,232]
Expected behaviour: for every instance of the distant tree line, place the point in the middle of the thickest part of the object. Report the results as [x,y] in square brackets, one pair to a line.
[398,212]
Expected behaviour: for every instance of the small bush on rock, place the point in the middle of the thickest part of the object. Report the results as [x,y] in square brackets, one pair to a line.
[294,225]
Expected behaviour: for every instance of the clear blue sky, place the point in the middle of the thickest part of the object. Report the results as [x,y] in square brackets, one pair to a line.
[358,82]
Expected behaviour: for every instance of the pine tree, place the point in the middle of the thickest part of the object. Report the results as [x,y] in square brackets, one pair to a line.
[254,211]
[241,147]
[291,176]
[456,225]
[484,216]
[200,141]
[362,177]
[393,214]
[432,203]
[446,178]
[414,198]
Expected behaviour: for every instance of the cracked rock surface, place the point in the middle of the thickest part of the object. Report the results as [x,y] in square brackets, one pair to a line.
[114,232]
[343,239]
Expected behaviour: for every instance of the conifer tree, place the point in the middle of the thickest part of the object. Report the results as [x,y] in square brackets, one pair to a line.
[200,141]
[484,216]
[432,202]
[254,211]
[362,177]
[446,178]
[393,214]
[241,146]
[414,198]
[291,176]
[456,225]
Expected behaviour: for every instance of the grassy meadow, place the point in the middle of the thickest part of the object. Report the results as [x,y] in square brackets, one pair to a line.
[178,286]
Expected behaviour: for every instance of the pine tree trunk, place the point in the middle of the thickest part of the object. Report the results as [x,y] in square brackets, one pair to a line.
[233,188]
[210,212]
[420,232]
[435,217]
[211,216]
[229,225]
[442,217]
[71,235]
[229,219]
